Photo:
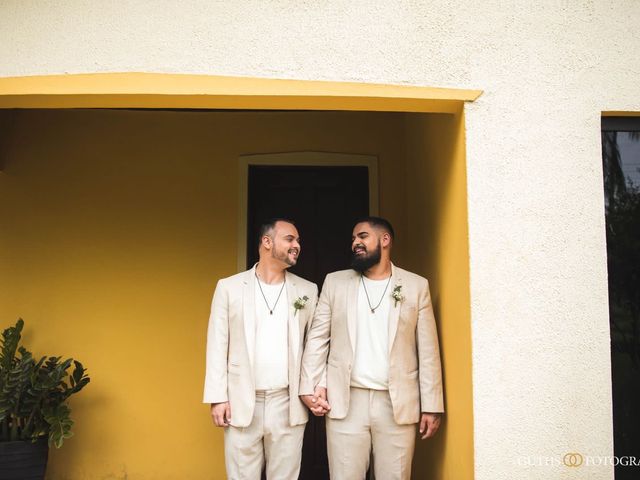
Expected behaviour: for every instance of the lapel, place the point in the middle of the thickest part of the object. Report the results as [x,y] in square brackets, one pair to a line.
[294,318]
[394,309]
[352,308]
[249,312]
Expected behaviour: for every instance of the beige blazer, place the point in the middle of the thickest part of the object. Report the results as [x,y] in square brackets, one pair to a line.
[231,345]
[415,379]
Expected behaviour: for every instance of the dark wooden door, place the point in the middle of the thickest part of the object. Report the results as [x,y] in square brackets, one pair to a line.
[324,203]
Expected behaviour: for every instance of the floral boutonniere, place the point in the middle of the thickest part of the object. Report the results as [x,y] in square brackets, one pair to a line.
[299,304]
[397,294]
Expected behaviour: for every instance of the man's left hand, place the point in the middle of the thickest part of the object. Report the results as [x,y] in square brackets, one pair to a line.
[317,402]
[429,424]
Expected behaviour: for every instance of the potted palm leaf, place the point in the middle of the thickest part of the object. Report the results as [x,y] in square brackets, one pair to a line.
[34,414]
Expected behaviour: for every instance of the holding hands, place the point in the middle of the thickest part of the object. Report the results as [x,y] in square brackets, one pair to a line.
[317,402]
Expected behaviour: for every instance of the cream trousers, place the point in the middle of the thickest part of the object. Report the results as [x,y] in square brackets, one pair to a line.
[269,439]
[369,424]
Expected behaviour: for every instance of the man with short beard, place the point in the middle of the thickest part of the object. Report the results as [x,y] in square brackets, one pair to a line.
[254,348]
[374,338]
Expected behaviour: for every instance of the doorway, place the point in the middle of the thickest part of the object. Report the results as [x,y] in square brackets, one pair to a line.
[322,192]
[324,202]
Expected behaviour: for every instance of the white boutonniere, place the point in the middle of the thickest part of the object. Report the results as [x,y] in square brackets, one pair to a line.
[299,304]
[397,294]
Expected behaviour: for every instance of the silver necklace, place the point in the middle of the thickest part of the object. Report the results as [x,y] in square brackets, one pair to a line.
[264,296]
[373,309]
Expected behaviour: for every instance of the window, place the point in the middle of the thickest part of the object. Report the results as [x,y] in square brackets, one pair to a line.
[621,171]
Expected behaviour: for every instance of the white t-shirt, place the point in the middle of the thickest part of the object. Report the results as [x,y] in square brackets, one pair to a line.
[371,362]
[271,364]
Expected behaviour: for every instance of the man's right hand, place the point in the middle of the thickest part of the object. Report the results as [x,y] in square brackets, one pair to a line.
[317,402]
[221,414]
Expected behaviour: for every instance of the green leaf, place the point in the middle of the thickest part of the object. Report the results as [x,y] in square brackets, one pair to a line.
[10,339]
[59,424]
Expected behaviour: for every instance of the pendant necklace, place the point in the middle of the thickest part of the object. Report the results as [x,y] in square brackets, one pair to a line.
[264,296]
[373,309]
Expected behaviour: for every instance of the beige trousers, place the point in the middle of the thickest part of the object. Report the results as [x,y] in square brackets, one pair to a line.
[268,439]
[369,423]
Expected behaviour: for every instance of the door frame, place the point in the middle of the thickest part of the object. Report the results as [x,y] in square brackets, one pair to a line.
[302,159]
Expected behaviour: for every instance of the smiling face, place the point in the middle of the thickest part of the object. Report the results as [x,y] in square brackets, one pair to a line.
[366,246]
[284,243]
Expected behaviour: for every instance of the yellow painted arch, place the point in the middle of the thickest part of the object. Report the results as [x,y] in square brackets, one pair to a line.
[156,90]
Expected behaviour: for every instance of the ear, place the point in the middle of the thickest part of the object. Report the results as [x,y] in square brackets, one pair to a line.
[266,242]
[386,240]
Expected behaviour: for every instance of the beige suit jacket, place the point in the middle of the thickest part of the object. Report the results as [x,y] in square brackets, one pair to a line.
[231,345]
[415,379]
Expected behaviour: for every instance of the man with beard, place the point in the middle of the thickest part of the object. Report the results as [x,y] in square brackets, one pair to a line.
[254,348]
[373,344]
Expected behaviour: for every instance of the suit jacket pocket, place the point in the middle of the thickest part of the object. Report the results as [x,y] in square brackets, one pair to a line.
[406,398]
[234,369]
[338,380]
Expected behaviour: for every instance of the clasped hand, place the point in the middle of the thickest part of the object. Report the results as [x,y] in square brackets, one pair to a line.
[317,402]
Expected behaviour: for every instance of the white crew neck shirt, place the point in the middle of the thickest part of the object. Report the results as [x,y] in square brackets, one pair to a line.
[271,364]
[371,361]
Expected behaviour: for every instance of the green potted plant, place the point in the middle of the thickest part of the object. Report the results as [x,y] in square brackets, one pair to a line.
[34,414]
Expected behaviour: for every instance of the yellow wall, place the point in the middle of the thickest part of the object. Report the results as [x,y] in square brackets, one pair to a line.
[114,227]
[438,246]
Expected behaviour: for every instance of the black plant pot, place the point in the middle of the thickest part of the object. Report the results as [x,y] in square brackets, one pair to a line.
[23,460]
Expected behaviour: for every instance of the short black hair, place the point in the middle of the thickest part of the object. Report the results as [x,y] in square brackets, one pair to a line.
[269,224]
[378,222]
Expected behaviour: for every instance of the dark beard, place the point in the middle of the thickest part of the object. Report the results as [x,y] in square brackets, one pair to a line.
[365,262]
[284,257]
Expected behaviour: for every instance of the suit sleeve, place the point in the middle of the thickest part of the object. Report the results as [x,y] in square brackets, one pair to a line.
[314,298]
[431,396]
[215,383]
[316,350]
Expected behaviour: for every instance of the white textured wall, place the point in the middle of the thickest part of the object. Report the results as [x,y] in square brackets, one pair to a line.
[538,260]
